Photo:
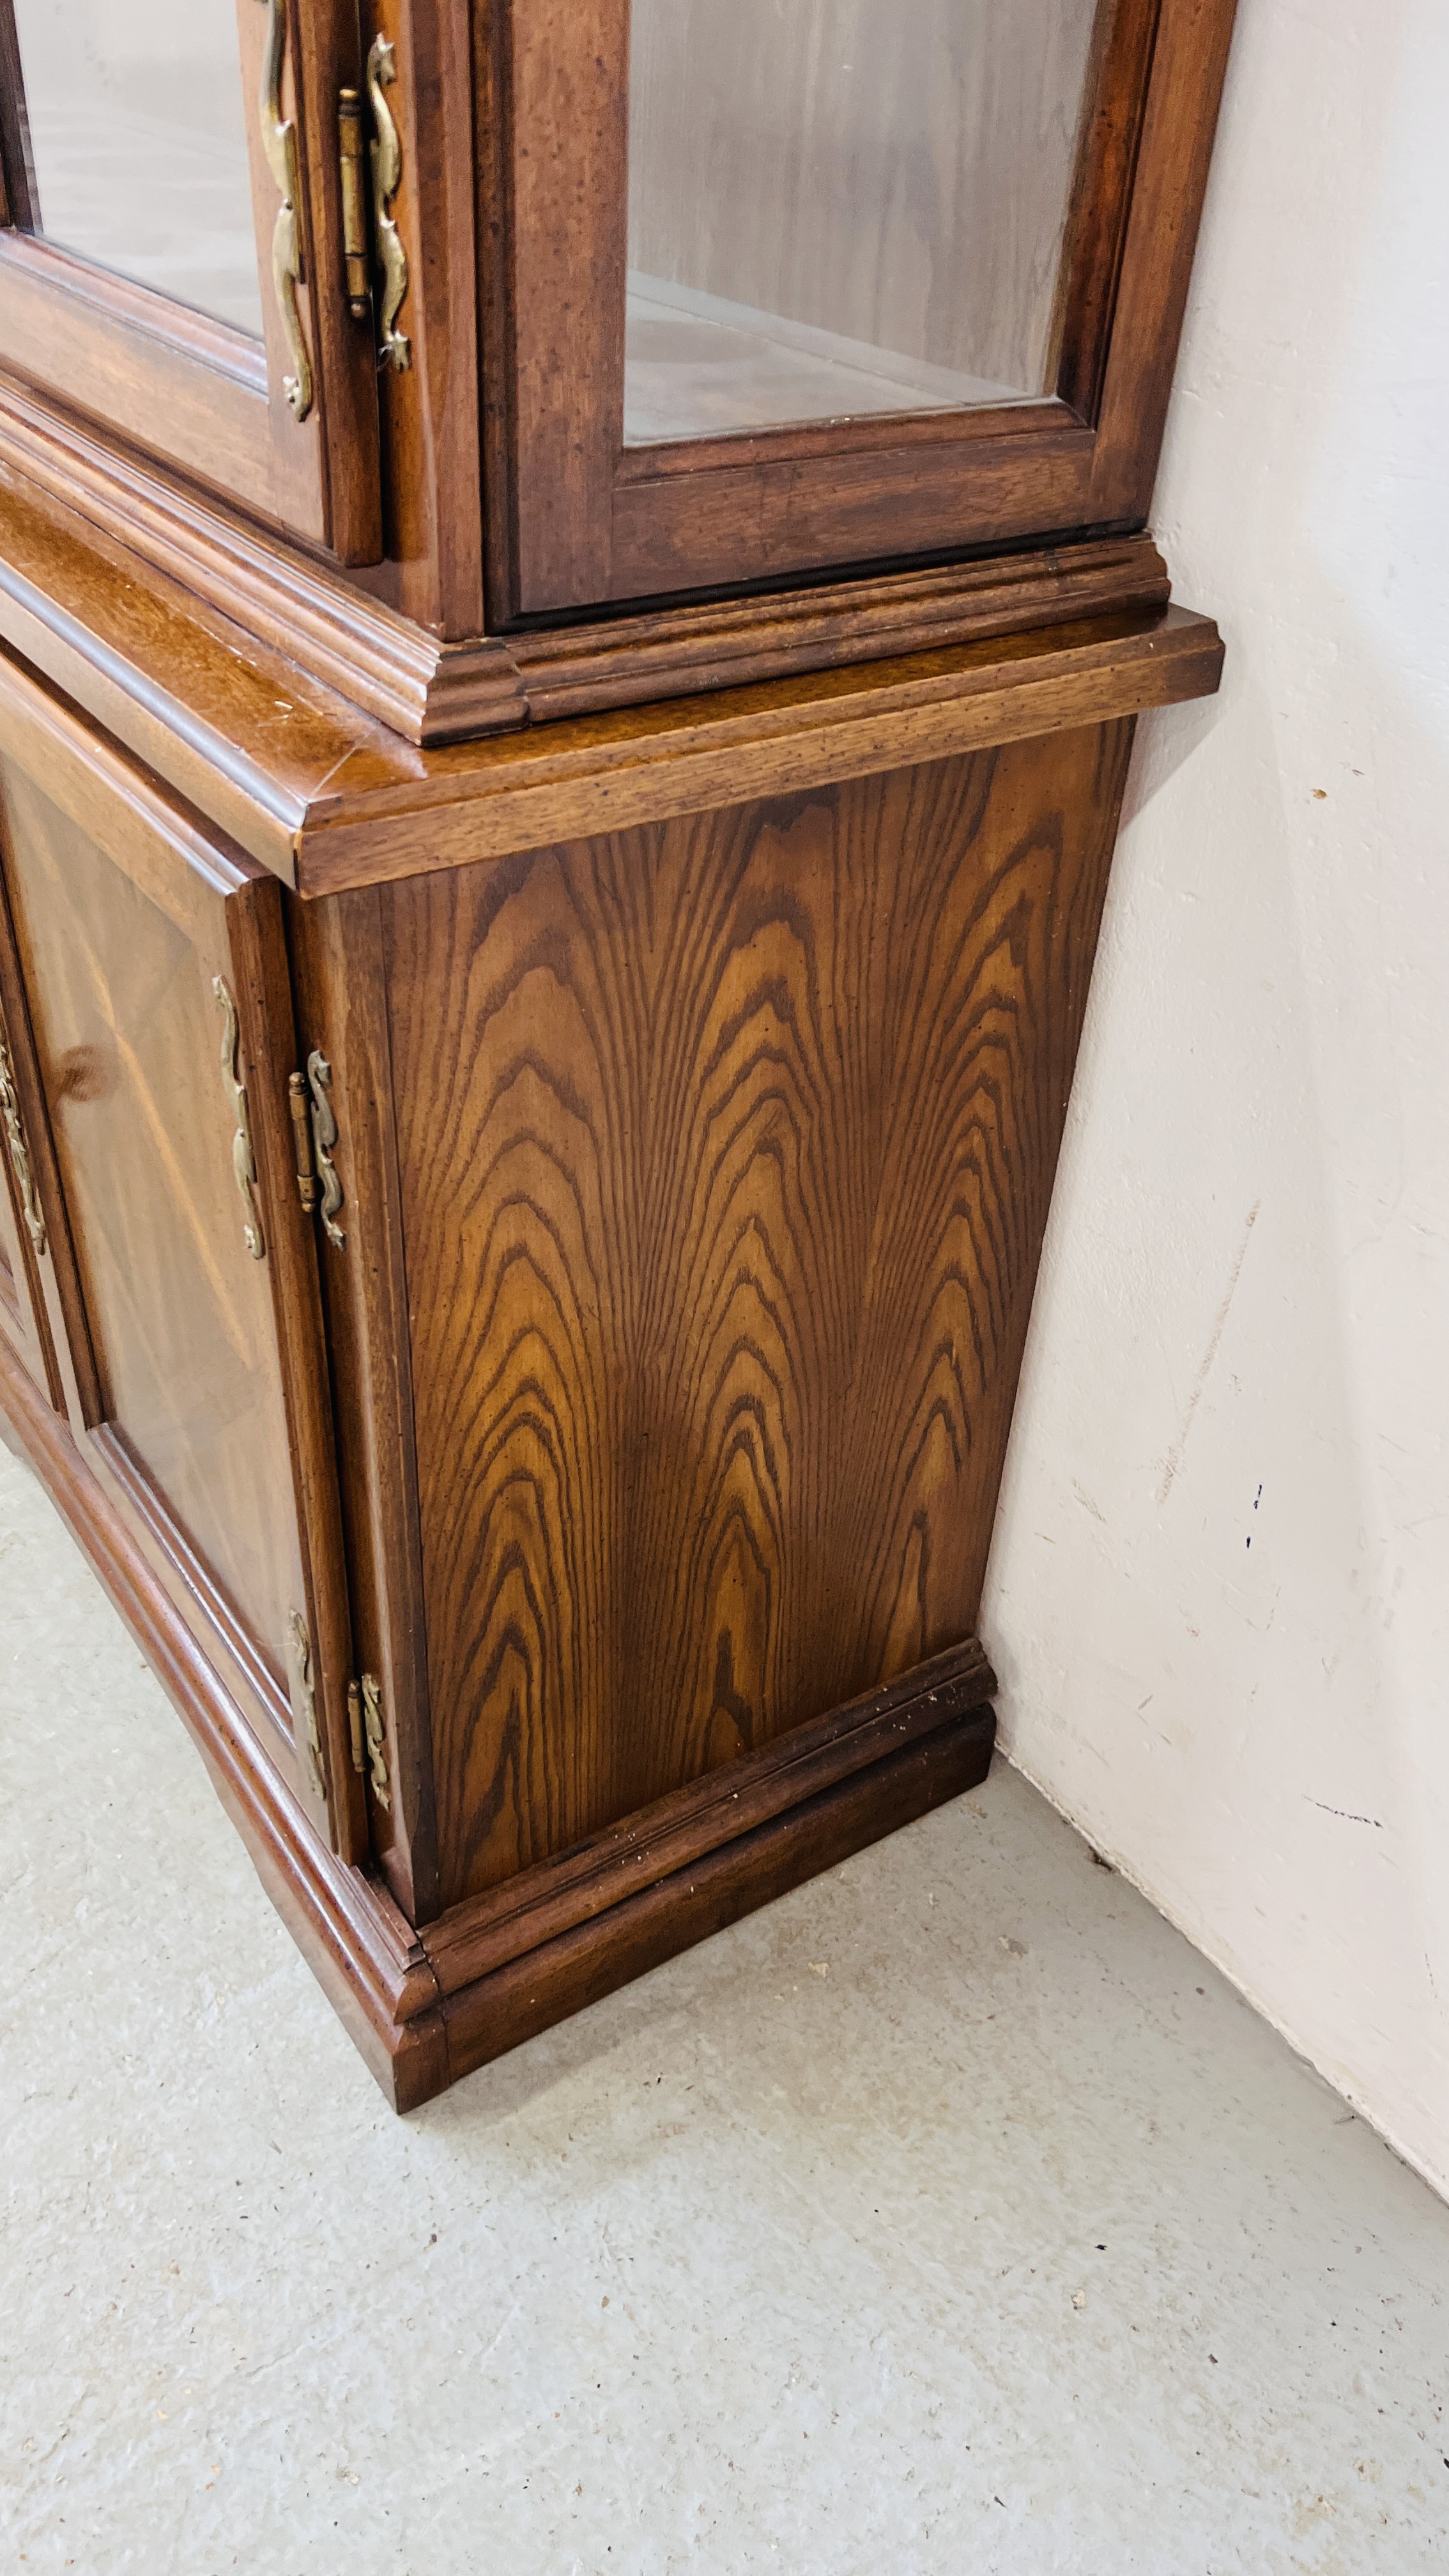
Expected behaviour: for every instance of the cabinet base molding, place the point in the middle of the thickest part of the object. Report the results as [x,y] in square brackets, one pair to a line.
[427,2007]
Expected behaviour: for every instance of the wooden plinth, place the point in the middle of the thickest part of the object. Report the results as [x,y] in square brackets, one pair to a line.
[496,1970]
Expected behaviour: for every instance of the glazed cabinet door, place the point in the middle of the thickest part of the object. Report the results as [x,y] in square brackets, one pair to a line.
[780,289]
[185,242]
[147,968]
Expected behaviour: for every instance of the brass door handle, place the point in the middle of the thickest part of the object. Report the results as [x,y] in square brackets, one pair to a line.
[384,160]
[279,141]
[394,349]
[243,1160]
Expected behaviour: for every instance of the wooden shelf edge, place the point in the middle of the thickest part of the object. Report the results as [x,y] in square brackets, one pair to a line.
[426,2008]
[579,780]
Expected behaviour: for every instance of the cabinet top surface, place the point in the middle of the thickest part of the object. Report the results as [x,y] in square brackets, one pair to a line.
[329,798]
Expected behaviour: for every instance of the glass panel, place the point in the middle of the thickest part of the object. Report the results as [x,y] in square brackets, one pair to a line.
[840,207]
[138,133]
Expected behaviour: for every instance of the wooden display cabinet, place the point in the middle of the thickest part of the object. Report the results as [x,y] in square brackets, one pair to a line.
[575,597]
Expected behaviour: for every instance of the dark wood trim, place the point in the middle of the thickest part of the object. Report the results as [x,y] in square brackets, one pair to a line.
[1101,200]
[17,167]
[737,523]
[809,442]
[434,692]
[561,159]
[544,1986]
[326,52]
[1179,120]
[340,983]
[599,774]
[424,2010]
[271,1054]
[293,603]
[188,336]
[676,652]
[328,799]
[431,414]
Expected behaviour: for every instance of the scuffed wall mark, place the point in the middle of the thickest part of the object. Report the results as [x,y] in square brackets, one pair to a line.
[1085,1499]
[1347,1815]
[1175,1453]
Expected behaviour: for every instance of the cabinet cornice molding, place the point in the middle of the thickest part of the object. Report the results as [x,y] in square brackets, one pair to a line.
[431,691]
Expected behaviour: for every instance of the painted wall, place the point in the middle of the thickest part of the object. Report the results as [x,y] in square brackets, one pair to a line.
[1219,1593]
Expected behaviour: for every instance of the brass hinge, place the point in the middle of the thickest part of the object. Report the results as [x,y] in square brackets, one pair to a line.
[314,1133]
[353,152]
[371,167]
[369,1735]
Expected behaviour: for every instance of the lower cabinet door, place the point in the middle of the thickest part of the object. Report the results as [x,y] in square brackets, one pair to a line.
[148,965]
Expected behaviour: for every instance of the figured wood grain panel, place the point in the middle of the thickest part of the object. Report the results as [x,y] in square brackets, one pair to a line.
[725,1151]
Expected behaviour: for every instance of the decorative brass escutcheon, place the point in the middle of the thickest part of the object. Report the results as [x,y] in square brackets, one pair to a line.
[324,1137]
[279,141]
[394,349]
[369,1736]
[307,1691]
[243,1160]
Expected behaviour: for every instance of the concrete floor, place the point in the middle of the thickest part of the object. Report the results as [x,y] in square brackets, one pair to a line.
[951,2215]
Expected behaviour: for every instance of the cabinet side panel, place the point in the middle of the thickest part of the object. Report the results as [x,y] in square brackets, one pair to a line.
[725,1150]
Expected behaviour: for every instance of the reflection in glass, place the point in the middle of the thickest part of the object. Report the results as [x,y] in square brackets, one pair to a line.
[138,134]
[843,207]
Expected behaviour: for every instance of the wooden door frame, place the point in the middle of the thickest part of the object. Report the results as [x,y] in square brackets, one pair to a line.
[197,394]
[575,520]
